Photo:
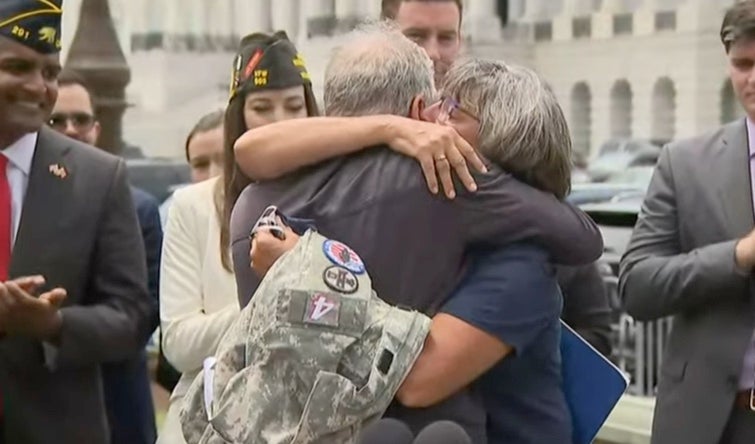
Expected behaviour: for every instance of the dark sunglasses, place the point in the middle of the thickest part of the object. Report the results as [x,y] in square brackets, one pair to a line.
[80,121]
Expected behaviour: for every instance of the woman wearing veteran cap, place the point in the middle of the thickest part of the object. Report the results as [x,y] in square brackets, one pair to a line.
[269,83]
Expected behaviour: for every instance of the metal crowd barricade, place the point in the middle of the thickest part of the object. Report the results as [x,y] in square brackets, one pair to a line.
[649,341]
[637,346]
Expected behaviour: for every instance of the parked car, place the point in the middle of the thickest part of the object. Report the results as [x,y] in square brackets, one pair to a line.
[630,182]
[625,145]
[593,193]
[157,175]
[616,155]
[579,176]
[637,176]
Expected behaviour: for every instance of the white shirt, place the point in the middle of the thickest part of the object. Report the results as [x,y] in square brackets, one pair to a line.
[20,155]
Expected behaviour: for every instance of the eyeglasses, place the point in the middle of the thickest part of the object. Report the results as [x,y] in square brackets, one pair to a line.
[80,121]
[448,106]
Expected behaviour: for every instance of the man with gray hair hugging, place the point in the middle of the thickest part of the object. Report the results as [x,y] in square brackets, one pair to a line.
[480,264]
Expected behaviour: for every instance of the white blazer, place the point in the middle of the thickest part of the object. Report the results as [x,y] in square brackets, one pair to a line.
[197,295]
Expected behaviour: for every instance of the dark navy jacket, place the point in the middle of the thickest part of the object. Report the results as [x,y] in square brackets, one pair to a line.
[512,293]
[128,394]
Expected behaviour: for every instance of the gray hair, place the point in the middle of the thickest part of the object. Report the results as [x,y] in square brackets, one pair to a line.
[377,71]
[522,126]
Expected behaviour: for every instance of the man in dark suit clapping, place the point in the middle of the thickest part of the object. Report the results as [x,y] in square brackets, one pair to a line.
[73,294]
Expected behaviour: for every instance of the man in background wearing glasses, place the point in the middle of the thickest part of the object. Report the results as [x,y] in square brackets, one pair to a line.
[128,397]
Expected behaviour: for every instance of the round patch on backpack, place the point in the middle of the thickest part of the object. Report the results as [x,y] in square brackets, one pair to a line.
[343,256]
[340,279]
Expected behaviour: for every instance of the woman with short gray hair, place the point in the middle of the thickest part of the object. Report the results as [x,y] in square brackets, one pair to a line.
[520,125]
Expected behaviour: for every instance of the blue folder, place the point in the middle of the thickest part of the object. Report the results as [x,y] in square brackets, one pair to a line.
[592,385]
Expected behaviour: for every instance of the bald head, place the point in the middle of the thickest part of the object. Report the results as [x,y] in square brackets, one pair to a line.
[378,71]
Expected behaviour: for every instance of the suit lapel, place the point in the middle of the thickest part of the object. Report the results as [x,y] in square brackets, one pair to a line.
[48,197]
[733,169]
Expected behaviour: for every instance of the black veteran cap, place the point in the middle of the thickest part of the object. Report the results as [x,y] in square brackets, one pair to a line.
[32,23]
[266,62]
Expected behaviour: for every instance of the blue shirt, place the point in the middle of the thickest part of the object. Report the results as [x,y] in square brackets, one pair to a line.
[512,294]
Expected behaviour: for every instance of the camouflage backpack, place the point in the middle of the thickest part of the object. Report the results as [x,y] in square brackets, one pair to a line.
[313,358]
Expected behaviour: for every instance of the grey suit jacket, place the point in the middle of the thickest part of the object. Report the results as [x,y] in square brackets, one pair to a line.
[81,233]
[680,263]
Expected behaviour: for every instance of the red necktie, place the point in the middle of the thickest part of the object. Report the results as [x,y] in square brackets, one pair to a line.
[5,233]
[5,219]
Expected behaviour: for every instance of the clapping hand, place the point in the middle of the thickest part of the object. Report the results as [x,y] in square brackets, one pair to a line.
[23,314]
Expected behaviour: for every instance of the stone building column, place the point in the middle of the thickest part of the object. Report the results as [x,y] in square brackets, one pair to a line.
[371,9]
[172,24]
[320,8]
[602,22]
[219,15]
[517,10]
[196,24]
[696,16]
[252,16]
[285,16]
[317,18]
[562,23]
[348,14]
[535,10]
[482,23]
[70,21]
[645,16]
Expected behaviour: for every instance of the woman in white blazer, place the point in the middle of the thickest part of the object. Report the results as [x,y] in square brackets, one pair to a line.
[196,300]
[197,293]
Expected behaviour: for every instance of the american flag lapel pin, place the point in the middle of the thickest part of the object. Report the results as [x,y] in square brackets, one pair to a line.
[58,171]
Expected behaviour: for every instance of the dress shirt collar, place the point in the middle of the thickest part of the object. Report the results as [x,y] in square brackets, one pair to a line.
[750,136]
[21,152]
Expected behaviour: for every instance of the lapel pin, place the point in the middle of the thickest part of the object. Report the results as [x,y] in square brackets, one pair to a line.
[58,170]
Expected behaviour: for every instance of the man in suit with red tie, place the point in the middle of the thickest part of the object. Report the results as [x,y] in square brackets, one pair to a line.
[73,291]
